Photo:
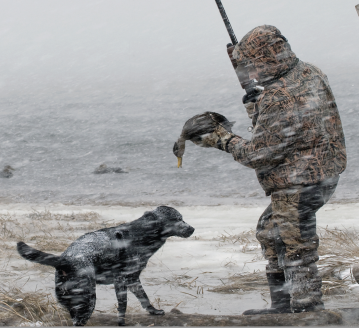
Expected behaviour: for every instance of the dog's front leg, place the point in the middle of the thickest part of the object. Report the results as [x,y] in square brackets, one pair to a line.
[137,289]
[121,293]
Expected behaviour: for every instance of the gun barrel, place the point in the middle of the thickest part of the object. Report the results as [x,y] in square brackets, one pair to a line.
[243,74]
[226,22]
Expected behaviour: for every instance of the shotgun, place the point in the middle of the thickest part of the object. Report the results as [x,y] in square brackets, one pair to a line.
[243,73]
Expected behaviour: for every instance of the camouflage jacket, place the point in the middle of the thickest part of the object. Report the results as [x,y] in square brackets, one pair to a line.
[297,137]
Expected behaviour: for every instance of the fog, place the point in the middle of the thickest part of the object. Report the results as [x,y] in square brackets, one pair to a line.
[90,82]
[87,46]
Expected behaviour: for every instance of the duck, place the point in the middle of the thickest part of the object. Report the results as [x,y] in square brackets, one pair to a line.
[196,128]
[6,172]
[103,168]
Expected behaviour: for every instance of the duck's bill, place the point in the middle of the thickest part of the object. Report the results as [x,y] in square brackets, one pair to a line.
[179,162]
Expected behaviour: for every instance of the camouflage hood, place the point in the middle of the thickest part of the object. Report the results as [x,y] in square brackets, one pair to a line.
[267,51]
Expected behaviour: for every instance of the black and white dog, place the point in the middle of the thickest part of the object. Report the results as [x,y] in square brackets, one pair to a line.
[114,255]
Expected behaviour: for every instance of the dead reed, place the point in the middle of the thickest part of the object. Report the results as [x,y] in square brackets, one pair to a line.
[338,250]
[39,228]
[29,308]
[46,231]
[241,283]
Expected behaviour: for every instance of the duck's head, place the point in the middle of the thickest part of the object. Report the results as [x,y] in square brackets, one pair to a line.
[178,150]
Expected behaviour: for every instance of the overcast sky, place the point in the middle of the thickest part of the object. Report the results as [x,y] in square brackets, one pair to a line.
[72,43]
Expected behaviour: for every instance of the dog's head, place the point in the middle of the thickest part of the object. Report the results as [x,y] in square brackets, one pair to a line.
[172,223]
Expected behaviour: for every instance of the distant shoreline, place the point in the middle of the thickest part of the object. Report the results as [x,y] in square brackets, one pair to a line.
[133,203]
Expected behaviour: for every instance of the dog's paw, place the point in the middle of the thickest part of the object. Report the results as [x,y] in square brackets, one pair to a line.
[121,321]
[151,310]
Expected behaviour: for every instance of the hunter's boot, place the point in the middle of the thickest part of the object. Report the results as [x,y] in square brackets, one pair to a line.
[278,292]
[305,286]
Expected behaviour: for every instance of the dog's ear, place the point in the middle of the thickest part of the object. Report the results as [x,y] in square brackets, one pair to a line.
[151,221]
[150,216]
[121,234]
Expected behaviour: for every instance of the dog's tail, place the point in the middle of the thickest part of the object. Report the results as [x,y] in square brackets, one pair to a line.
[36,256]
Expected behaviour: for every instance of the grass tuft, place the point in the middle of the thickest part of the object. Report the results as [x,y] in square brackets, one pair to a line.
[29,308]
[338,250]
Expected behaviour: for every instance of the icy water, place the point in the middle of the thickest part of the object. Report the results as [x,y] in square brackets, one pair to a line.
[55,143]
[113,82]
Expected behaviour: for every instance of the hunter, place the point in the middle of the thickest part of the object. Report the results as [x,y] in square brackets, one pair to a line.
[298,152]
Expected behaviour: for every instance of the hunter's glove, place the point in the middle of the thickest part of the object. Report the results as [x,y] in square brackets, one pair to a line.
[218,138]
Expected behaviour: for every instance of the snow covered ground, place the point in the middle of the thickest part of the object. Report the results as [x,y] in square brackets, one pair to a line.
[222,255]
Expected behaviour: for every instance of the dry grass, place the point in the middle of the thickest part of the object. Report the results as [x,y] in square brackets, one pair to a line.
[242,283]
[28,308]
[339,250]
[338,244]
[46,231]
[246,241]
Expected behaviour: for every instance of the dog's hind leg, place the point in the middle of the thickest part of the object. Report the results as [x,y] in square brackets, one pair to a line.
[136,288]
[76,290]
[121,294]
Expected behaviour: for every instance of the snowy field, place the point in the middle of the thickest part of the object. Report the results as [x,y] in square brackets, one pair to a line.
[218,270]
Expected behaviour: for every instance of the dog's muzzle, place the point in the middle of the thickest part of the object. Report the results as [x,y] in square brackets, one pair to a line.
[186,231]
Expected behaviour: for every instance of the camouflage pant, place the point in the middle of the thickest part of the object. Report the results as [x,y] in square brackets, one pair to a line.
[287,233]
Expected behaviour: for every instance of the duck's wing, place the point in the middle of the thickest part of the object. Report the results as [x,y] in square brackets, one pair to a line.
[202,124]
[197,126]
[222,120]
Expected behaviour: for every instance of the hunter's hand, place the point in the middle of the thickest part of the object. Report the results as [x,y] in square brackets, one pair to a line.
[217,139]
